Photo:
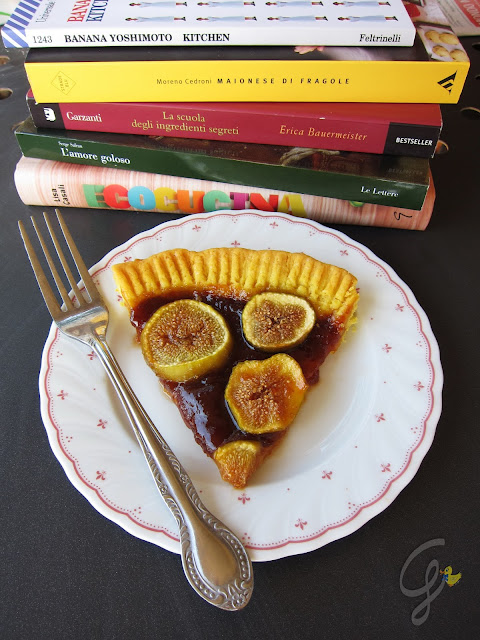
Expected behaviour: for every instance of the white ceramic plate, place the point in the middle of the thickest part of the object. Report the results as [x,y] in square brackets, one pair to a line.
[357,441]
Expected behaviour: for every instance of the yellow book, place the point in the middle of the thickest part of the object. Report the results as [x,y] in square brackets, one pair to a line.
[304,80]
[433,70]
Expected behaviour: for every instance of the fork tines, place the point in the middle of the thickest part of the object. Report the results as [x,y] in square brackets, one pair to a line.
[48,294]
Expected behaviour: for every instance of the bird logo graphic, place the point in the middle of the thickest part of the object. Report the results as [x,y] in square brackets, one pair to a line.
[449,577]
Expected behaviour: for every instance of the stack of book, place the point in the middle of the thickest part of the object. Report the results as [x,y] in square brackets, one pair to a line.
[185,107]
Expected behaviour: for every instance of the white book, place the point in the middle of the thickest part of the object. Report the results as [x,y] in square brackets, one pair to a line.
[89,23]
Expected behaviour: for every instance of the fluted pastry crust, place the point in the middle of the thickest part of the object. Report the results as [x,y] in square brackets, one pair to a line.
[240,274]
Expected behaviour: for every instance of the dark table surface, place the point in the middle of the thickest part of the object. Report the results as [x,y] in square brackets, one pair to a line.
[68,572]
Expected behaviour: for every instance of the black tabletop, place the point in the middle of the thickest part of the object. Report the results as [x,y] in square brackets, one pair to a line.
[68,572]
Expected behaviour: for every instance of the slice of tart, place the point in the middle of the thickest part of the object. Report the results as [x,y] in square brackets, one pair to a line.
[236,337]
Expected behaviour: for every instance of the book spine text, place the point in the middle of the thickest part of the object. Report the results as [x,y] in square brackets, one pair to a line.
[391,188]
[200,121]
[47,183]
[248,81]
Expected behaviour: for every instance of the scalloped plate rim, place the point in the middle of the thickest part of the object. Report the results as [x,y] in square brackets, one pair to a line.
[167,539]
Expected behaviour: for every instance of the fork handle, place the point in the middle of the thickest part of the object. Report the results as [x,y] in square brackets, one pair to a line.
[214,560]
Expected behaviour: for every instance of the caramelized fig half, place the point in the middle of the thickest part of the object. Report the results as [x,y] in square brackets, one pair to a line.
[265,395]
[277,321]
[237,460]
[185,339]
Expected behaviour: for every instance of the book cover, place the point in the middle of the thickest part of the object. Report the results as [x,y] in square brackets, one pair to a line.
[462,15]
[395,129]
[48,183]
[379,179]
[67,23]
[433,70]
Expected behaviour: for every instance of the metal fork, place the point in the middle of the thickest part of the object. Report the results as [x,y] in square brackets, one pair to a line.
[214,560]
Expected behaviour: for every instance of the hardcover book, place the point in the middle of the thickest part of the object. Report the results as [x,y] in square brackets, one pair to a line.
[395,129]
[48,183]
[364,177]
[86,23]
[432,71]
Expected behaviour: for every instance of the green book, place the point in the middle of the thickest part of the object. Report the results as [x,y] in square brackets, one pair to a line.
[360,177]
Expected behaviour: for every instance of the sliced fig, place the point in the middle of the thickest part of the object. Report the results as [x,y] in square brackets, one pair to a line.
[185,339]
[237,460]
[277,321]
[265,395]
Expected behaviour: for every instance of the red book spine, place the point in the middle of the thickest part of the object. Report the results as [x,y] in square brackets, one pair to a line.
[412,130]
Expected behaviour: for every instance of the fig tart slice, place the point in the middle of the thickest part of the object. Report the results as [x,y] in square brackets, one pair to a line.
[236,337]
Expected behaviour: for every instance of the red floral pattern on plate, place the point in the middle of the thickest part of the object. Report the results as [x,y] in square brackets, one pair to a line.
[394,303]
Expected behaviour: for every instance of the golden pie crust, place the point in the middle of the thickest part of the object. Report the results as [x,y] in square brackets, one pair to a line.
[237,273]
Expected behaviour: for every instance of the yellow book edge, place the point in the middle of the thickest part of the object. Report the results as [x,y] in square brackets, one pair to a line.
[249,81]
